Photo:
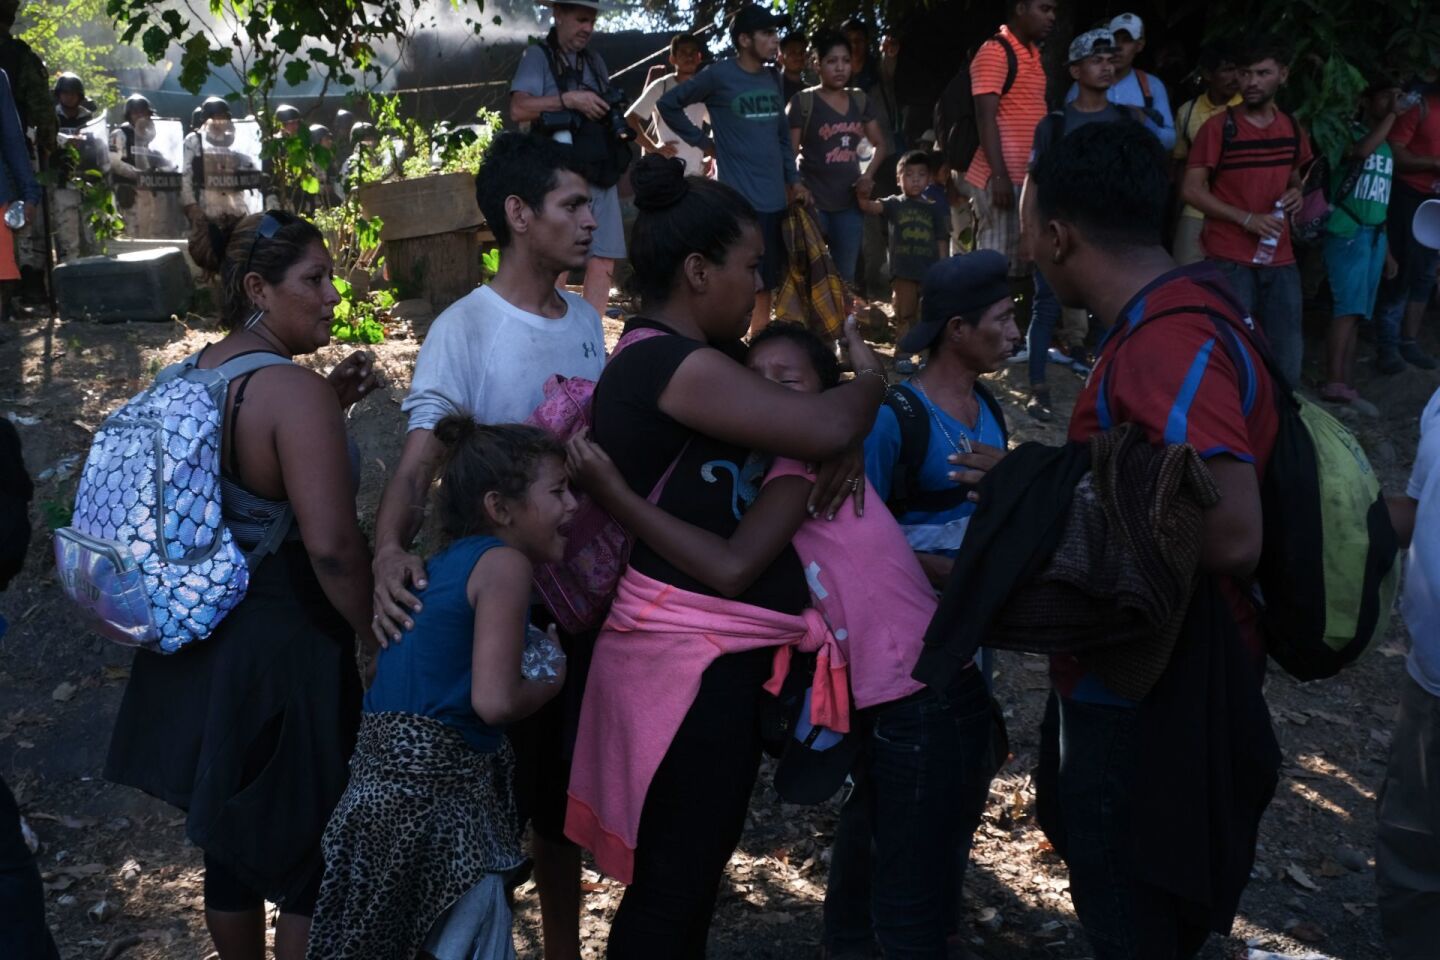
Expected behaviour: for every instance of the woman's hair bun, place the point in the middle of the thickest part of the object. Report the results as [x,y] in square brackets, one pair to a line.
[209,239]
[454,430]
[659,182]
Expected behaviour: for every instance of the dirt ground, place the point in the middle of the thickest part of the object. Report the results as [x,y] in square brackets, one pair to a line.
[121,880]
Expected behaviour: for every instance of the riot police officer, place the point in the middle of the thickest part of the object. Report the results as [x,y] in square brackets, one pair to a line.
[216,176]
[147,182]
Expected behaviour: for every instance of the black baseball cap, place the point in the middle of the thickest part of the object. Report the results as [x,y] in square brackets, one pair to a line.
[753,17]
[957,286]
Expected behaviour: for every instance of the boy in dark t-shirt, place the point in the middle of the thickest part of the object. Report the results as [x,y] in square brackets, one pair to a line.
[919,236]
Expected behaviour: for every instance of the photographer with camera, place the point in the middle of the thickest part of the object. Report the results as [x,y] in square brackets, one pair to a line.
[562,89]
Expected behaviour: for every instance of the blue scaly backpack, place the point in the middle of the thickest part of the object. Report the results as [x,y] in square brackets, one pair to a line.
[147,555]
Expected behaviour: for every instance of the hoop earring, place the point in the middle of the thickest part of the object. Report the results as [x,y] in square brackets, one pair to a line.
[254,319]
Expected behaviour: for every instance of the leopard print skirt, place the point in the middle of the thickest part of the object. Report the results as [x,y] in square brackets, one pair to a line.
[424,818]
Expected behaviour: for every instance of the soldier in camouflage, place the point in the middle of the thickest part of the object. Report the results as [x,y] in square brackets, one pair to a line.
[30,85]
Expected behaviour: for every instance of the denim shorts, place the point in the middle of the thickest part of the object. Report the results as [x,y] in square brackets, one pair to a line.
[1355,265]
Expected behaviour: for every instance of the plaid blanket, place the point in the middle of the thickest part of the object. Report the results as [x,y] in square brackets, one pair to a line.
[812,292]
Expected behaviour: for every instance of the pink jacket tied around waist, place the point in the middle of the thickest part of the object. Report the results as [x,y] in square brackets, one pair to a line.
[656,642]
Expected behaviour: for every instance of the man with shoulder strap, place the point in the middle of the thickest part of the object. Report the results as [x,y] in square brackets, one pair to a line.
[967,328]
[1167,861]
[1005,116]
[560,89]
[686,53]
[1244,175]
[1222,90]
[925,434]
[1091,63]
[1134,87]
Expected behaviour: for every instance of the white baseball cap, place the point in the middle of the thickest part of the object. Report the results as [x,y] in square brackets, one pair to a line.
[1130,23]
[1426,224]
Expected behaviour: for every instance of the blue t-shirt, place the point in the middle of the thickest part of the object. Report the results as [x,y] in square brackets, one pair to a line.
[753,151]
[428,672]
[940,533]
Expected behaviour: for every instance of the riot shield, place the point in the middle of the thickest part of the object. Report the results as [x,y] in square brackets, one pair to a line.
[155,212]
[230,180]
[92,141]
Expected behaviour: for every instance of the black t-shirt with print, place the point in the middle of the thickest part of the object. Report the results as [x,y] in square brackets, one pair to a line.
[712,485]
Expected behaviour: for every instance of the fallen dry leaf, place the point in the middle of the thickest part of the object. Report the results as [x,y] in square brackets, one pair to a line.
[63,692]
[1294,872]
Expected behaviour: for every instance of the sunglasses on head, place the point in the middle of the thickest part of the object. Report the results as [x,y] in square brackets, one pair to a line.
[269,226]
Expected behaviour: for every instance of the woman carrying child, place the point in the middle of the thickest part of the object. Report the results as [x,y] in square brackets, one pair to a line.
[419,848]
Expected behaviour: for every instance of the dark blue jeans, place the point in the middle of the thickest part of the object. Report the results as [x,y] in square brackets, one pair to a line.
[1272,295]
[1123,919]
[1416,280]
[842,230]
[1043,317]
[904,836]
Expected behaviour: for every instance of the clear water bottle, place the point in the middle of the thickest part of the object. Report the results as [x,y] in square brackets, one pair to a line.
[542,656]
[1265,251]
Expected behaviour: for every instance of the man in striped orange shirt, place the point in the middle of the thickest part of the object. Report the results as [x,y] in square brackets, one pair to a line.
[1009,104]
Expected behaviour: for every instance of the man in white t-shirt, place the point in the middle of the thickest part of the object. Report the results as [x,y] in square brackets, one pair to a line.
[686,53]
[489,356]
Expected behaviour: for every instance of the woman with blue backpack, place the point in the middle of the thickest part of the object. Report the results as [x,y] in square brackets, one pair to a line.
[248,723]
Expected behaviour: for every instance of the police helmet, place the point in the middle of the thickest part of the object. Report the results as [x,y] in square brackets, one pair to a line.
[69,83]
[344,121]
[318,132]
[134,104]
[214,107]
[364,131]
[286,113]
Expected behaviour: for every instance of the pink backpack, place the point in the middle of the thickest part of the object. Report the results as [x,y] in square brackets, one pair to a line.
[578,590]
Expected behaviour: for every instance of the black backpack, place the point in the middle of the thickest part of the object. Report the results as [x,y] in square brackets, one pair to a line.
[955,125]
[910,411]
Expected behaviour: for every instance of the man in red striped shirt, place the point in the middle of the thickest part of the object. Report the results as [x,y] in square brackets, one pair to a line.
[1244,175]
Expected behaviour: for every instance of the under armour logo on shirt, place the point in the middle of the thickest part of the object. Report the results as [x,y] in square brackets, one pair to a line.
[589,349]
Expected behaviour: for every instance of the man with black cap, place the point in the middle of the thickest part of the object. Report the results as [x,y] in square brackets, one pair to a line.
[939,423]
[751,134]
[967,327]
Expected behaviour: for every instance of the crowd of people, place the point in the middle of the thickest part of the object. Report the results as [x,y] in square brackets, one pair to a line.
[385,744]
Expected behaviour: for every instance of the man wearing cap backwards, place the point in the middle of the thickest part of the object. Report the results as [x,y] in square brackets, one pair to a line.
[1093,213]
[1134,87]
[1092,65]
[1407,836]
[563,76]
[751,134]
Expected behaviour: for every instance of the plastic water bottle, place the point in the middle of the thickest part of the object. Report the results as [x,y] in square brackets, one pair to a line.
[1265,252]
[541,658]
